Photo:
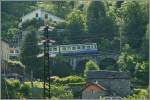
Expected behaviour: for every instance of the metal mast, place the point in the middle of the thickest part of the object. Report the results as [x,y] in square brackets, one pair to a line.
[46,56]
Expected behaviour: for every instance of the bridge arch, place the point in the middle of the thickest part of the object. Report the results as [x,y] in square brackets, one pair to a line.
[108,64]
[81,65]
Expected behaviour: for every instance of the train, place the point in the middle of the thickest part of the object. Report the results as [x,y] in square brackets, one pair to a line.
[87,48]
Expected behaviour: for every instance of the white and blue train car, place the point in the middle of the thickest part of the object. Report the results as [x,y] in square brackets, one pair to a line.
[88,48]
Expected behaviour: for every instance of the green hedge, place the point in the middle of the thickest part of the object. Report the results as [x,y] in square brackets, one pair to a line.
[69,79]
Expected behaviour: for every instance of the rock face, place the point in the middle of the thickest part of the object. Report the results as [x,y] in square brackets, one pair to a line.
[115,83]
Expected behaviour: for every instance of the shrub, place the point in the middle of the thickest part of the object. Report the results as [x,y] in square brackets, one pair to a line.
[16,67]
[90,66]
[69,79]
[138,94]
[13,87]
[59,91]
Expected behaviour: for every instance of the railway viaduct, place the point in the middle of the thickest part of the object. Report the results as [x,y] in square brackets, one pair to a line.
[97,58]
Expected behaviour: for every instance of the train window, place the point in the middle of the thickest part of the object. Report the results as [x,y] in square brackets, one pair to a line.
[73,48]
[50,49]
[69,48]
[55,49]
[95,46]
[83,47]
[78,47]
[64,48]
[92,46]
[88,47]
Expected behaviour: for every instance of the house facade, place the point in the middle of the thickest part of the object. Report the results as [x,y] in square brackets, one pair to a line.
[15,45]
[93,91]
[116,83]
[40,14]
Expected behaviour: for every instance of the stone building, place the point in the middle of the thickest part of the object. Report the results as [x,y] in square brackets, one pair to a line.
[15,44]
[93,91]
[115,83]
[40,14]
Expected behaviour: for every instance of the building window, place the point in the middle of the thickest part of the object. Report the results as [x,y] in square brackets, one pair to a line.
[17,51]
[11,51]
[46,16]
[92,91]
[36,15]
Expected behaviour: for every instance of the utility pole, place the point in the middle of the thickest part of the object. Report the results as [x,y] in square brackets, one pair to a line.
[47,59]
[46,56]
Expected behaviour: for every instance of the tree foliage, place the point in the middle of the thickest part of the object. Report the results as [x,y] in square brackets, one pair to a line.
[76,23]
[29,52]
[134,23]
[60,67]
[90,66]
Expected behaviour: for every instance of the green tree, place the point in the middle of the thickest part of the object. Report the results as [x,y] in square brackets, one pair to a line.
[96,15]
[90,65]
[142,73]
[29,52]
[60,67]
[134,23]
[76,23]
[11,13]
[145,46]
[127,60]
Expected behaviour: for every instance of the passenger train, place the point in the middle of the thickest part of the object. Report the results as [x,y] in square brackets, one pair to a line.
[88,48]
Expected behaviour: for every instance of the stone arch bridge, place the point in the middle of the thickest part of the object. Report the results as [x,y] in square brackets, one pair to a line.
[97,58]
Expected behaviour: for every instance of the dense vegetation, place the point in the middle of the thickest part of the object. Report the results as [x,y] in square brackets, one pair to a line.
[116,26]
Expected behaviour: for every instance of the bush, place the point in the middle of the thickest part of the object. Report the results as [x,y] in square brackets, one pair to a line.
[69,79]
[12,89]
[61,68]
[138,94]
[90,66]
[59,91]
[16,67]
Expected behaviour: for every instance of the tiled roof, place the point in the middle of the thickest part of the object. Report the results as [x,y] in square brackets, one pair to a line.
[107,74]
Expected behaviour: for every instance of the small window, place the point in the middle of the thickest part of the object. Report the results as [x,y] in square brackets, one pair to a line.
[92,91]
[11,51]
[78,47]
[36,15]
[69,48]
[92,46]
[46,16]
[83,47]
[73,48]
[64,48]
[95,46]
[17,51]
[55,49]
[88,47]
[50,49]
